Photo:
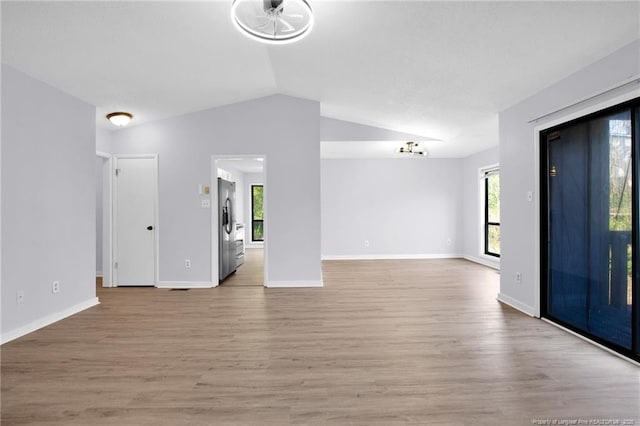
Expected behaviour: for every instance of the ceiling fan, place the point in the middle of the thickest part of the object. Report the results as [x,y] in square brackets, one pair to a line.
[273,21]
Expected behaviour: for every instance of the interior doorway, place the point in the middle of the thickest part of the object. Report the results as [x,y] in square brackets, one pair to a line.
[244,172]
[103,219]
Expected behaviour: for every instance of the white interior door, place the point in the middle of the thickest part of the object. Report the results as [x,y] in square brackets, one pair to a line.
[135,221]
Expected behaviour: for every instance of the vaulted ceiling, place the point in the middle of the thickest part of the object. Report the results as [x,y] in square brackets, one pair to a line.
[442,70]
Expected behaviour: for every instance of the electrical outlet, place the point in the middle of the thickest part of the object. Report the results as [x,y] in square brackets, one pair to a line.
[20,297]
[366,243]
[55,287]
[518,277]
[187,263]
[448,242]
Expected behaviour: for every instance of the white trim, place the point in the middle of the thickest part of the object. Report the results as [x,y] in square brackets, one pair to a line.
[490,168]
[265,221]
[632,94]
[536,224]
[509,301]
[48,320]
[389,256]
[185,284]
[586,339]
[627,81]
[156,213]
[99,274]
[293,284]
[484,262]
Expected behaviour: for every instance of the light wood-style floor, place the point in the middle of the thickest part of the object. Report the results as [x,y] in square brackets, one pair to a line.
[419,342]
[251,272]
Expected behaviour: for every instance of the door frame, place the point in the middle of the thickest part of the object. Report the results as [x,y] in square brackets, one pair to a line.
[107,218]
[156,208]
[555,119]
[213,193]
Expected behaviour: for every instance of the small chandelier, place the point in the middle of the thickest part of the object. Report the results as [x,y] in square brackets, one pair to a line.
[412,148]
[119,118]
[273,21]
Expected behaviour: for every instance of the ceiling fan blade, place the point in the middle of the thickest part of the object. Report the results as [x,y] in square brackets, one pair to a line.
[265,25]
[293,15]
[288,27]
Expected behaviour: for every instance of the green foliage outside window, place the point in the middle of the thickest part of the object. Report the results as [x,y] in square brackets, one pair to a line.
[257,213]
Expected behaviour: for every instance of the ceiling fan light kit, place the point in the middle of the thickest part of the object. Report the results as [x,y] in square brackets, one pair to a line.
[273,21]
[412,148]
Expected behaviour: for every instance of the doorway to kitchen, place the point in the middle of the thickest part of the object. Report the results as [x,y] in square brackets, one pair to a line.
[237,259]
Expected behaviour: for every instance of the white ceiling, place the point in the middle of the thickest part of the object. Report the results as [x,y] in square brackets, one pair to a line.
[438,69]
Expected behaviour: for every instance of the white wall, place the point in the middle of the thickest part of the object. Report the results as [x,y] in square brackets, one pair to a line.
[339,130]
[250,179]
[185,145]
[473,206]
[103,145]
[103,140]
[403,207]
[48,202]
[518,164]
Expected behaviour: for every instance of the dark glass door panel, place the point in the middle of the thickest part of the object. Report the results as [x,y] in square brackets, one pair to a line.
[589,226]
[635,266]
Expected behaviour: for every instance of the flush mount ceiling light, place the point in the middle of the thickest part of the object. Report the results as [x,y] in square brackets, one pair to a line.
[273,21]
[412,148]
[119,118]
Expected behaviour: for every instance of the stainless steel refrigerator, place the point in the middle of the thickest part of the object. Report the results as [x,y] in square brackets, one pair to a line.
[226,228]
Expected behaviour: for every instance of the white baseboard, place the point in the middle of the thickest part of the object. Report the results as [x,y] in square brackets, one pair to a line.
[99,274]
[515,304]
[48,320]
[185,284]
[293,284]
[388,256]
[481,261]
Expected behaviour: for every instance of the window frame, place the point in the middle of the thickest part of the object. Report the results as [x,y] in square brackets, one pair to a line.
[253,220]
[486,224]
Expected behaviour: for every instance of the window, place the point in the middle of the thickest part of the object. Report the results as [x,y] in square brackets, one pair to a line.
[492,212]
[257,214]
[589,226]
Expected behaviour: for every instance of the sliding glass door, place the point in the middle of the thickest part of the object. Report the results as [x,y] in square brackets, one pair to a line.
[590,226]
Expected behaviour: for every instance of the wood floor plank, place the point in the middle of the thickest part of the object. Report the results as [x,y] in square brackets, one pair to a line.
[383,343]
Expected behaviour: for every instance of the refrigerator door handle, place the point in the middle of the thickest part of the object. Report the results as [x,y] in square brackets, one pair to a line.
[225,215]
[228,216]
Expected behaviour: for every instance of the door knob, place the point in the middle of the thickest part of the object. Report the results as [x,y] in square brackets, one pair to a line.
[149,228]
